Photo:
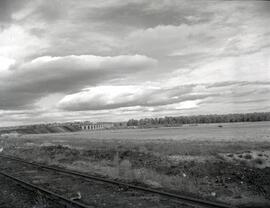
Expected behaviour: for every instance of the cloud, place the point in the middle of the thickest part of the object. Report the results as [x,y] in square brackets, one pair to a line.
[245,68]
[18,44]
[102,26]
[6,63]
[7,8]
[231,31]
[240,83]
[148,14]
[233,96]
[111,97]
[32,80]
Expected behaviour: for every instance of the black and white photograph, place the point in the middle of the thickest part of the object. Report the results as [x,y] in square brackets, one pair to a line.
[134,104]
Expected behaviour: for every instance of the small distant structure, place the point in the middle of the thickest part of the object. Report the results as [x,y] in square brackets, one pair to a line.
[95,126]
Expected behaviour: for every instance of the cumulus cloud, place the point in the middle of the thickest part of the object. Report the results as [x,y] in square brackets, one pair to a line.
[44,75]
[18,44]
[110,97]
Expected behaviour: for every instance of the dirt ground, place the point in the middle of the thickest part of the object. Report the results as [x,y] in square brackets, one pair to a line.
[14,196]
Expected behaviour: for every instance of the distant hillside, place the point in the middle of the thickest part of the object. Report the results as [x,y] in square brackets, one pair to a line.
[40,129]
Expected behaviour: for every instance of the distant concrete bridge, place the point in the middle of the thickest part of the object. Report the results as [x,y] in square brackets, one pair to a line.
[97,126]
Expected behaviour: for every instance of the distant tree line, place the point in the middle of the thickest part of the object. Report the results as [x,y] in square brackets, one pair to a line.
[180,120]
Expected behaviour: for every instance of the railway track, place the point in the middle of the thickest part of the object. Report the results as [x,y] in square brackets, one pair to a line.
[121,194]
[32,187]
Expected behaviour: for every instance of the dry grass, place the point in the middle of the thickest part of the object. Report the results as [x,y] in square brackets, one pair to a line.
[149,177]
[40,201]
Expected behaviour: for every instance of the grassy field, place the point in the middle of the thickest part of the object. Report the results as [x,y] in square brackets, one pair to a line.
[229,163]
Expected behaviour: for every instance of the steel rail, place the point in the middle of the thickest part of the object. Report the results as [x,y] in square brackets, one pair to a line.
[189,199]
[40,189]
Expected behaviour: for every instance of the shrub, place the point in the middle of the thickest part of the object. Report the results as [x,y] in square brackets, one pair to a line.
[248,156]
[40,201]
[258,161]
[230,155]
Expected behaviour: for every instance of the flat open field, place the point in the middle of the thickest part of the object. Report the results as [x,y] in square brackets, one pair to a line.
[225,162]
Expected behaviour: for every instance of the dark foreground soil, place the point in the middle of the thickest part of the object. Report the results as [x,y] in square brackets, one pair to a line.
[213,179]
[92,193]
[13,195]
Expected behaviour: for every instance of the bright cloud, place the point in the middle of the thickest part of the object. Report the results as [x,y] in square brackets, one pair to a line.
[110,97]
[46,75]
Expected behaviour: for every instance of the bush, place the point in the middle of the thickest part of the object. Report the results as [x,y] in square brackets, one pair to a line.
[248,156]
[258,161]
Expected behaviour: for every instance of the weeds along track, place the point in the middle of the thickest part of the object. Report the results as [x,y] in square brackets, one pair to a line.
[83,190]
[35,188]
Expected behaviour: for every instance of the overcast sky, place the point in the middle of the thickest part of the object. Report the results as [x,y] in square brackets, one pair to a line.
[111,60]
